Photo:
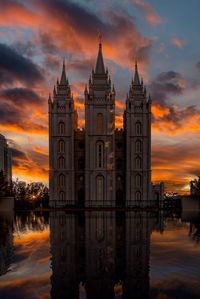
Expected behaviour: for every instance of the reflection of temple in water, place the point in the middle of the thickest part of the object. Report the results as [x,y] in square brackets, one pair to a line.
[6,243]
[194,231]
[100,248]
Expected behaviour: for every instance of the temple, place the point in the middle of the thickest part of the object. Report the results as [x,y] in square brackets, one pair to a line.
[99,165]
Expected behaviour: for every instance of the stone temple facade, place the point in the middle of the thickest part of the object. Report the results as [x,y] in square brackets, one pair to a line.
[99,165]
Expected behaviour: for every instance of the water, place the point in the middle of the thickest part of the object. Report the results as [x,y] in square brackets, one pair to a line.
[47,255]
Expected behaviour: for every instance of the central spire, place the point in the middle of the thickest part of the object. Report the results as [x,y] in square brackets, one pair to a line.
[136,80]
[63,80]
[100,69]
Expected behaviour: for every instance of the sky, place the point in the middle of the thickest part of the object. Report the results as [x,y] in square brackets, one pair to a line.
[162,35]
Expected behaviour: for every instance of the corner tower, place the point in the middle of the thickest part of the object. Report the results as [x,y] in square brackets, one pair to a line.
[137,123]
[62,123]
[99,136]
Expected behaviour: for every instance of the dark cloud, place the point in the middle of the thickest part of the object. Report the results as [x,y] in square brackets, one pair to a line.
[52,62]
[47,44]
[20,96]
[139,53]
[79,17]
[9,114]
[74,17]
[165,85]
[198,65]
[18,154]
[83,65]
[14,66]
[16,116]
[26,49]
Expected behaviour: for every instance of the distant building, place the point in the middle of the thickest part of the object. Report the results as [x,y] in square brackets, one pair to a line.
[99,165]
[5,159]
[158,191]
[195,187]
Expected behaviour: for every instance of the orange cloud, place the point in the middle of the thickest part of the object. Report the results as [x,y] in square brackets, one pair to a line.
[15,14]
[174,121]
[119,104]
[151,16]
[179,43]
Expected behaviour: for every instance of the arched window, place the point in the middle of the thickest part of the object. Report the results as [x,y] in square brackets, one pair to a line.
[138,128]
[100,124]
[61,163]
[119,164]
[61,180]
[138,195]
[138,146]
[100,187]
[61,128]
[61,146]
[138,163]
[81,163]
[62,195]
[138,180]
[100,154]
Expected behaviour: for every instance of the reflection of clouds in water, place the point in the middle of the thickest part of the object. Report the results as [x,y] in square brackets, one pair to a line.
[97,248]
[30,272]
[178,289]
[174,262]
[33,287]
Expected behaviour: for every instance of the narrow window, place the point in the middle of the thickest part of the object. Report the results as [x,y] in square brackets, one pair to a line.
[138,163]
[100,154]
[138,146]
[61,163]
[100,123]
[138,128]
[138,180]
[61,128]
[61,180]
[61,146]
[100,187]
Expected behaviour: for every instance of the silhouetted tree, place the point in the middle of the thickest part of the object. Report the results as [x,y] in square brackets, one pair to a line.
[31,195]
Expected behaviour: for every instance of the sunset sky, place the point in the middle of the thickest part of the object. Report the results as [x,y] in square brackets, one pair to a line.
[163,36]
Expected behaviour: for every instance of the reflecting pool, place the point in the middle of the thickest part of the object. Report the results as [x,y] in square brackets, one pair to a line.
[99,254]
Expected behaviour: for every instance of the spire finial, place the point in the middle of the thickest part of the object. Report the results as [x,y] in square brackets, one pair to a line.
[100,69]
[136,80]
[63,80]
[54,91]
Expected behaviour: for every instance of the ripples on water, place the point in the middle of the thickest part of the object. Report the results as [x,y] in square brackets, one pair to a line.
[48,255]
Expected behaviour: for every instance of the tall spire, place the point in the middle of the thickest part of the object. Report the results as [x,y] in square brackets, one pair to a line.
[100,69]
[63,80]
[136,80]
